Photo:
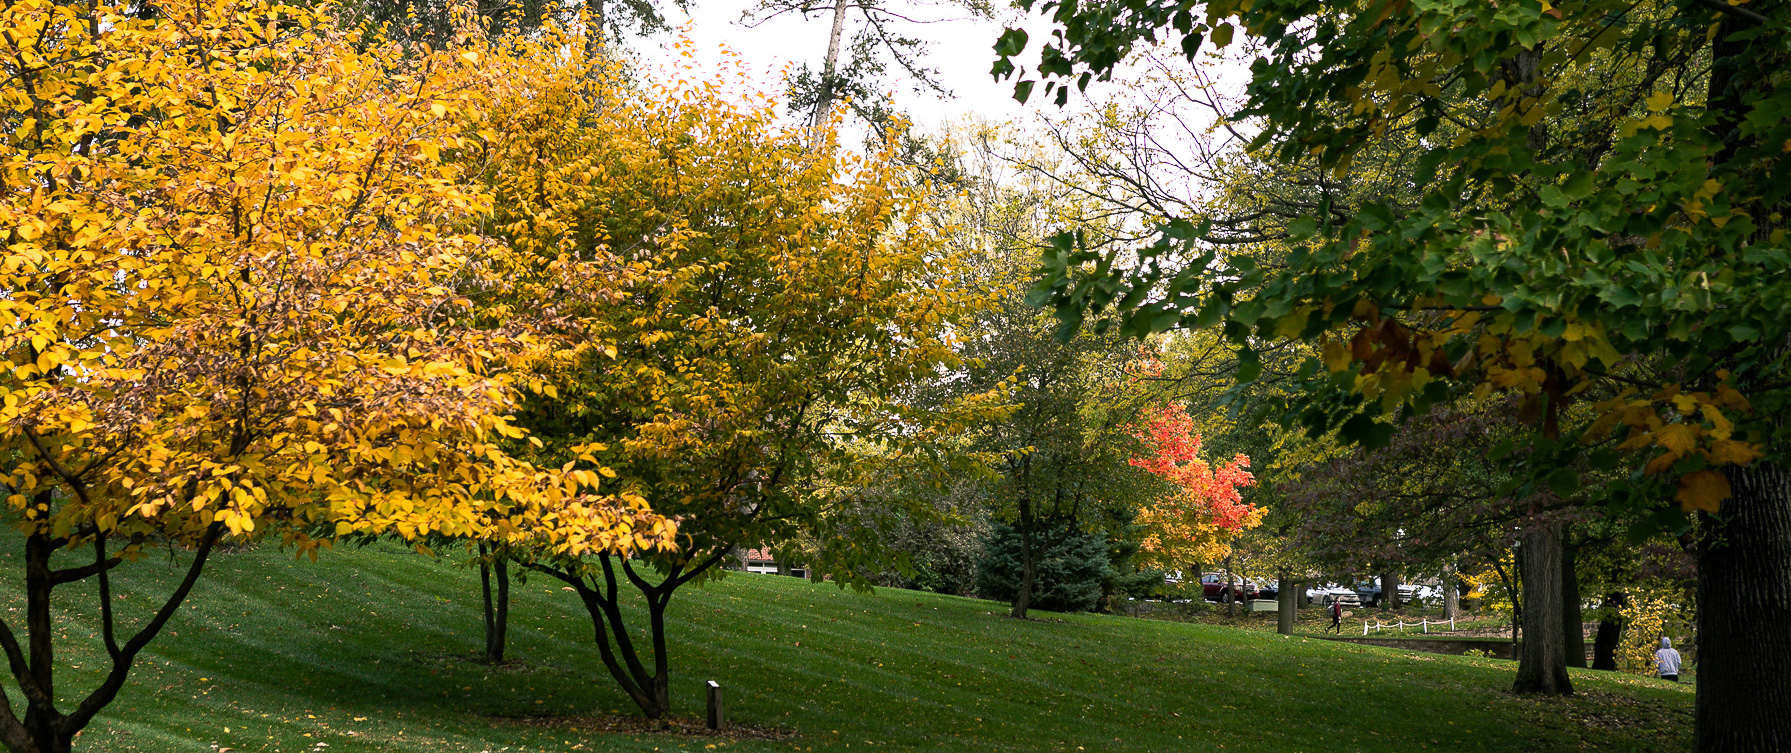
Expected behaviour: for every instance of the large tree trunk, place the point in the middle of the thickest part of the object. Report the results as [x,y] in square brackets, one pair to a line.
[1390,589]
[1285,605]
[1542,659]
[1451,593]
[1744,616]
[1573,625]
[1744,550]
[1610,631]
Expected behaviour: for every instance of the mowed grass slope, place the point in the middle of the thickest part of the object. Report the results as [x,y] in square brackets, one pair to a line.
[374,650]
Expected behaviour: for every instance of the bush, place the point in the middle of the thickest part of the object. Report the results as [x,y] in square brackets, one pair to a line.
[1072,569]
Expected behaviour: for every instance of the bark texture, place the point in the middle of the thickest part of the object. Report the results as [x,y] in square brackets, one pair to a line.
[1451,594]
[1286,605]
[1744,616]
[1542,657]
[1389,590]
[1610,631]
[1573,625]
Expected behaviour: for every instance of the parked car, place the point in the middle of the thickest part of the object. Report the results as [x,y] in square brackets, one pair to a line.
[1269,591]
[1326,594]
[1224,589]
[1369,591]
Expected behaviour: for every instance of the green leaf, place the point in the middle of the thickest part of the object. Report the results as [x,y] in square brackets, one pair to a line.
[1579,185]
[1249,365]
[1619,296]
[1011,43]
[1222,34]
[1364,430]
[1564,483]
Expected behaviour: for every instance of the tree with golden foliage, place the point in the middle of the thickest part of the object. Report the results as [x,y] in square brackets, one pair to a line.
[230,311]
[745,314]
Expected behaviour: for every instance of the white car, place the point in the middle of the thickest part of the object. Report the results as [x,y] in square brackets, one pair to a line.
[1324,595]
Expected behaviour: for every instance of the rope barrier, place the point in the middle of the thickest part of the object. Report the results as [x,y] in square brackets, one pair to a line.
[1425,624]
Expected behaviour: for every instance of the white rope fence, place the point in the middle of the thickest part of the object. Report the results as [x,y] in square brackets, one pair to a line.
[1402,624]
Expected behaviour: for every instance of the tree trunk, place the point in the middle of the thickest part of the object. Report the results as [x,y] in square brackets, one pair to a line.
[1517,598]
[1029,568]
[1542,658]
[1390,590]
[830,67]
[1573,626]
[1610,631]
[650,689]
[1231,590]
[44,728]
[1451,593]
[497,610]
[594,13]
[1744,610]
[1285,605]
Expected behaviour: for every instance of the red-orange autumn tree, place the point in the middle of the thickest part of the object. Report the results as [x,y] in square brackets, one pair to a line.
[1197,523]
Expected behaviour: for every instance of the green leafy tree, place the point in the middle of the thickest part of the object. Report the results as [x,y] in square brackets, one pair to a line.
[1609,211]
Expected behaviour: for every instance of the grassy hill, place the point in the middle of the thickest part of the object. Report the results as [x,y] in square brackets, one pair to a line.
[374,650]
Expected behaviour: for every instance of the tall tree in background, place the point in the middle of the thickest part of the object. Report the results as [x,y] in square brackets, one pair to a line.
[868,54]
[1610,210]
[1062,451]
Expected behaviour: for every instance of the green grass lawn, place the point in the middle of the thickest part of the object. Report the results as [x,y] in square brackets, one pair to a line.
[374,650]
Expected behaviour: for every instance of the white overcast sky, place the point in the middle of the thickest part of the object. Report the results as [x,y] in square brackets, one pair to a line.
[960,47]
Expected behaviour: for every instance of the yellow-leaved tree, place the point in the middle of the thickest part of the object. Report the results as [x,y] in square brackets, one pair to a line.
[231,308]
[747,313]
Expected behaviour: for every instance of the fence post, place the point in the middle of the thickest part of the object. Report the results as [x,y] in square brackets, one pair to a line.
[1364,627]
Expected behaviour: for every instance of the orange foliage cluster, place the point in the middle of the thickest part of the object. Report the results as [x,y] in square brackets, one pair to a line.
[1197,523]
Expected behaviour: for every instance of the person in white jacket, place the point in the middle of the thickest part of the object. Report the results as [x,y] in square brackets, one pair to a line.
[1667,660]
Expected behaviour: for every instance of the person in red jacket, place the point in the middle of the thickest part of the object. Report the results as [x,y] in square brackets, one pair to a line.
[1336,617]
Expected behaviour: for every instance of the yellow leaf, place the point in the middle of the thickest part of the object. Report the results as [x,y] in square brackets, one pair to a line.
[1702,490]
[1730,451]
[1676,438]
[1336,356]
[1659,101]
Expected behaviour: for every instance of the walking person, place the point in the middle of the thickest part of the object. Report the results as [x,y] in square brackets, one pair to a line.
[1667,660]
[1336,617]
